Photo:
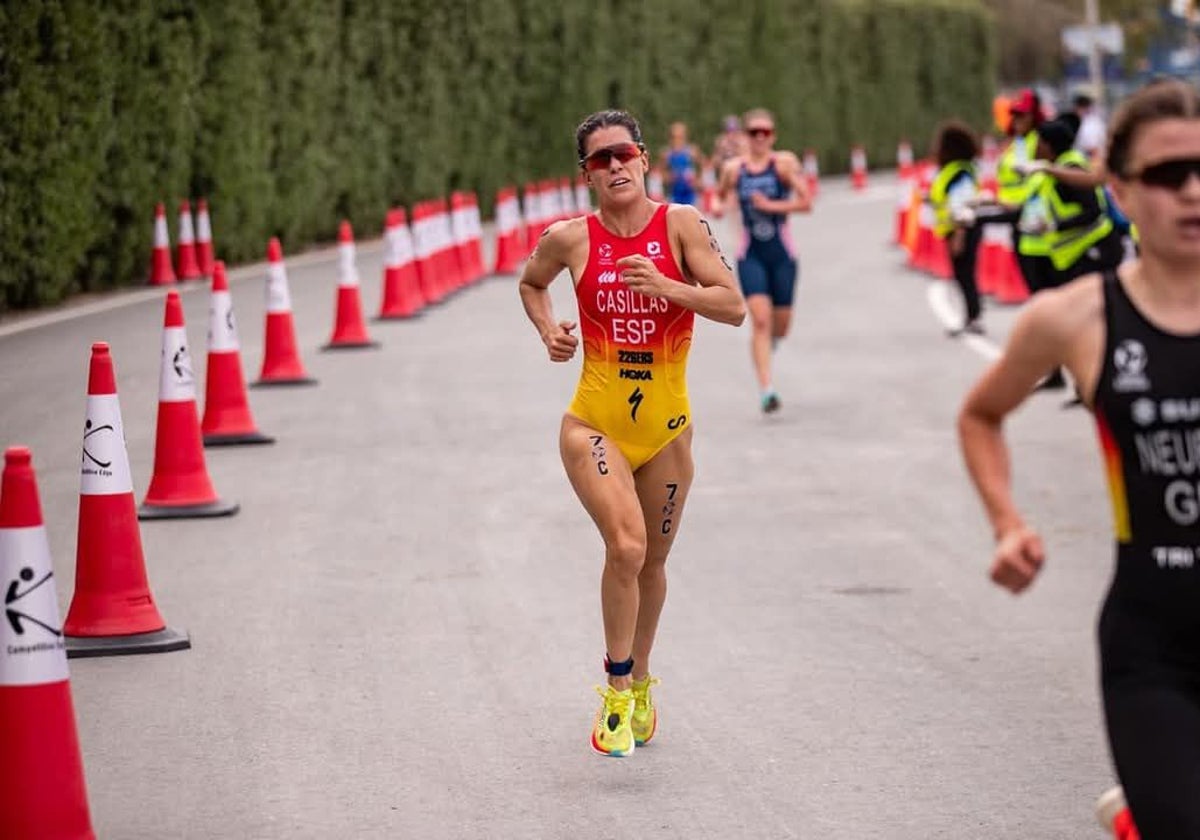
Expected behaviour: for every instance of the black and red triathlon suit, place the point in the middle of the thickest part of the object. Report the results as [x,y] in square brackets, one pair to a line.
[1147,408]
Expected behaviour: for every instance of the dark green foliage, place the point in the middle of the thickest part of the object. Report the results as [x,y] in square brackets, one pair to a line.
[289,115]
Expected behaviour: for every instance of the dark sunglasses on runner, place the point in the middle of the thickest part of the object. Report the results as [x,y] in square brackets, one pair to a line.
[1171,174]
[602,158]
[760,132]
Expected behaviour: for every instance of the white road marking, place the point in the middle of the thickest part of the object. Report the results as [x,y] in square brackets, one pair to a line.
[938,293]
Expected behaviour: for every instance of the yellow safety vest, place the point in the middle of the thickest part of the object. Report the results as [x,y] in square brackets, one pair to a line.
[1013,187]
[1034,210]
[1068,246]
[943,225]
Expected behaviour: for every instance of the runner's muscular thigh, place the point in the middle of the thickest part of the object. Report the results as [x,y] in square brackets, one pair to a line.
[602,480]
[662,488]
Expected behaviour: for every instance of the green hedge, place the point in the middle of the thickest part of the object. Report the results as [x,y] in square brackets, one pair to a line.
[291,114]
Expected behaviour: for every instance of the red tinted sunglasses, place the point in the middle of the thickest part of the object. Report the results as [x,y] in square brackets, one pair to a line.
[1169,174]
[760,132]
[602,158]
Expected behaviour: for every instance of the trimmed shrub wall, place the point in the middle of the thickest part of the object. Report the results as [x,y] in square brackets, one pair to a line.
[289,115]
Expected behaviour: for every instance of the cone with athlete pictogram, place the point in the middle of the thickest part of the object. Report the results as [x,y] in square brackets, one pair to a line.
[180,487]
[43,793]
[112,610]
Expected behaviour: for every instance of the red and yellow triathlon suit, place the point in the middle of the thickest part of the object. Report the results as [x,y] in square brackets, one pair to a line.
[633,386]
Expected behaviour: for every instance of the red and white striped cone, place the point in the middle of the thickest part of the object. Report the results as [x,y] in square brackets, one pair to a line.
[445,255]
[189,269]
[349,328]
[654,186]
[812,171]
[475,229]
[161,271]
[281,363]
[583,196]
[401,296]
[566,199]
[532,213]
[43,793]
[904,159]
[112,611]
[204,245]
[423,242]
[460,236]
[180,487]
[858,167]
[509,247]
[227,419]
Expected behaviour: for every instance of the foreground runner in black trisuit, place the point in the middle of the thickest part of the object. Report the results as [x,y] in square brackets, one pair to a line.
[1131,340]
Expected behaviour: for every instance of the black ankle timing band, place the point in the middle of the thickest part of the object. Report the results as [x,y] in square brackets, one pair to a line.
[618,669]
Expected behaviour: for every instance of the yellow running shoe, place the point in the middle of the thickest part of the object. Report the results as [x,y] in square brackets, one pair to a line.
[645,716]
[611,735]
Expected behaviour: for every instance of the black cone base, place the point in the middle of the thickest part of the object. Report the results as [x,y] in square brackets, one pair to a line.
[157,641]
[217,508]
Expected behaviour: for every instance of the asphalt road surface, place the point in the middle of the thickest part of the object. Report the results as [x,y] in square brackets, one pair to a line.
[398,634]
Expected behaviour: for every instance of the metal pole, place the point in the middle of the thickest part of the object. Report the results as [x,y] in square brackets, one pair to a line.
[1091,12]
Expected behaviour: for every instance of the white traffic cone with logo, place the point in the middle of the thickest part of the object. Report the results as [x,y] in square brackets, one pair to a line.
[227,419]
[113,610]
[180,486]
[43,795]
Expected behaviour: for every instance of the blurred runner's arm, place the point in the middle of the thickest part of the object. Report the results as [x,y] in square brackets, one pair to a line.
[547,261]
[726,184]
[788,167]
[1036,347]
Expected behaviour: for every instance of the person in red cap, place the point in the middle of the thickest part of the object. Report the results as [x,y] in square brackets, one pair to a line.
[1014,184]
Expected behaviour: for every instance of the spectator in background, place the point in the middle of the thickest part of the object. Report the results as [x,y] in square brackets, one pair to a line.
[730,143]
[952,193]
[1090,138]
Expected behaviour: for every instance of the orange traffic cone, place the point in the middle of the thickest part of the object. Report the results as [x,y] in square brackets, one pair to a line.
[42,789]
[180,486]
[204,245]
[475,227]
[227,419]
[161,271]
[460,237]
[349,329]
[401,288]
[583,196]
[812,171]
[858,167]
[509,252]
[112,611]
[189,269]
[904,159]
[281,360]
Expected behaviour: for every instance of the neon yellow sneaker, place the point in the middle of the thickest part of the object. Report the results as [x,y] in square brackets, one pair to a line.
[645,716]
[612,735]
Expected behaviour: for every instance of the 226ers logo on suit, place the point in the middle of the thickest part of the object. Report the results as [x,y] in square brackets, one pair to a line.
[605,254]
[654,250]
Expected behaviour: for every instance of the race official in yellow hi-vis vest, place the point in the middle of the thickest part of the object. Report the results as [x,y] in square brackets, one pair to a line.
[1068,227]
[1013,180]
[952,195]
[1081,236]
